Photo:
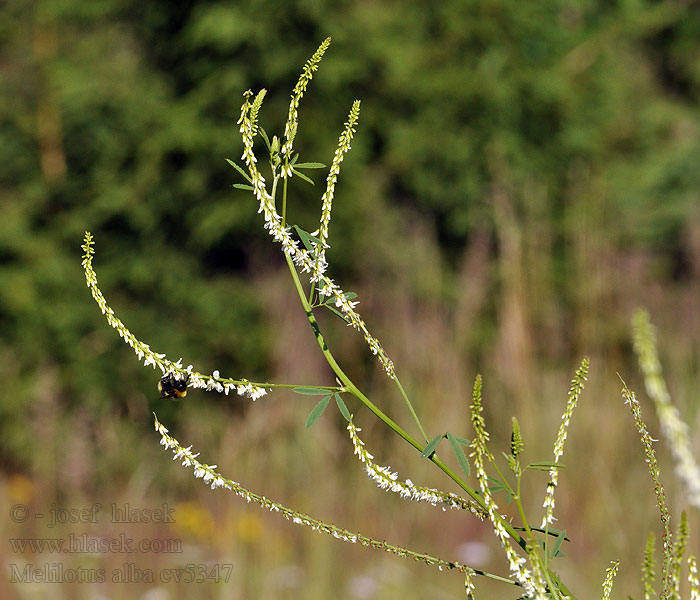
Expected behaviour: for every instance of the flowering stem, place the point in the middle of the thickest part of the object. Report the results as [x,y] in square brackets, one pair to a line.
[352,388]
[553,582]
[349,385]
[216,480]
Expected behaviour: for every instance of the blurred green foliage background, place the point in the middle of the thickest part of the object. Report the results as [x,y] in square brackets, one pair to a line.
[523,176]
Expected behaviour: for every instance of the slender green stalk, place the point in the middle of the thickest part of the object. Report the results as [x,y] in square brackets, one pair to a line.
[410,407]
[284,192]
[330,388]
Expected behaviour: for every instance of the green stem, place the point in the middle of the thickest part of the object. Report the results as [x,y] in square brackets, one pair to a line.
[534,545]
[352,388]
[284,198]
[410,408]
[329,388]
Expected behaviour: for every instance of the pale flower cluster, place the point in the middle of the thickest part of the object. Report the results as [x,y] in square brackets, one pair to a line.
[216,383]
[533,585]
[389,481]
[610,573]
[143,351]
[574,394]
[320,264]
[210,476]
[310,67]
[301,257]
[673,427]
[650,457]
[532,582]
[469,587]
[693,578]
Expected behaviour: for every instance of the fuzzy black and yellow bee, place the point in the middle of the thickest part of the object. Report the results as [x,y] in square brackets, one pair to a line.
[173,385]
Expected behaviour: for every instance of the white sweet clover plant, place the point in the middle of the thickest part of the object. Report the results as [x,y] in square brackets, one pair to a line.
[528,550]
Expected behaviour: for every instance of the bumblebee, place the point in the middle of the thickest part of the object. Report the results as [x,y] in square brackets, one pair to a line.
[173,385]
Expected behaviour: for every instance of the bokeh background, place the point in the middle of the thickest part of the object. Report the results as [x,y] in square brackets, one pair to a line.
[524,175]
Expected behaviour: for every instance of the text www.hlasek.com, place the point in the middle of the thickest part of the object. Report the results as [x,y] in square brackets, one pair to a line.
[82,544]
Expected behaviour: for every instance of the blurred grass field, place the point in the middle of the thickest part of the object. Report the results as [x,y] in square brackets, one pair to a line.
[604,499]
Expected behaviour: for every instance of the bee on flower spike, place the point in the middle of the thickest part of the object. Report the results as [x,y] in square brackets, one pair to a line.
[173,385]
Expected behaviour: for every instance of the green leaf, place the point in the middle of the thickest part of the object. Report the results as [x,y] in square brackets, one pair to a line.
[430,448]
[310,391]
[550,531]
[240,170]
[459,453]
[341,407]
[557,544]
[306,238]
[265,139]
[463,441]
[545,466]
[243,186]
[309,165]
[317,411]
[556,532]
[498,486]
[302,176]
[337,312]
